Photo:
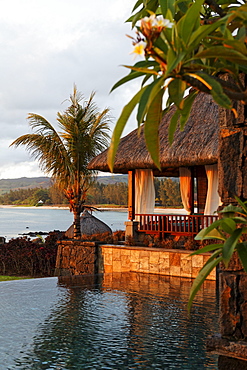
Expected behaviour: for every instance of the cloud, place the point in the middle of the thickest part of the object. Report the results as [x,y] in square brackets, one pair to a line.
[47,46]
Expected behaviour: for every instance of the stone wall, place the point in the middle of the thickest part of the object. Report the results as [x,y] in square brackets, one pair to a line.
[152,260]
[231,343]
[75,257]
[78,258]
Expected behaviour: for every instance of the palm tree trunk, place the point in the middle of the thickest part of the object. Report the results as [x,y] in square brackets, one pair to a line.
[77,224]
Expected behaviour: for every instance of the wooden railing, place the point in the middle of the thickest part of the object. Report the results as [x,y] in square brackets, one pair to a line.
[162,224]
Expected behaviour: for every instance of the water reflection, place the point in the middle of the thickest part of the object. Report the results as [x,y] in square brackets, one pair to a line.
[124,321]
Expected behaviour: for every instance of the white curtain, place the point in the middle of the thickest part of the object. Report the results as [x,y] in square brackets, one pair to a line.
[213,200]
[144,191]
[185,187]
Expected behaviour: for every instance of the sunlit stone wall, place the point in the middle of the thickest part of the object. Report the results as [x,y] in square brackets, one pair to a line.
[152,260]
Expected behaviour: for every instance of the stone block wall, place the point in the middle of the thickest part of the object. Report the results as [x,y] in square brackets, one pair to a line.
[75,257]
[152,260]
[78,258]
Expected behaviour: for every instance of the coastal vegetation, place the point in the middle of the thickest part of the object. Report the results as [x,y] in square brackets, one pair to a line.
[166,189]
[24,183]
[26,257]
[64,155]
[8,278]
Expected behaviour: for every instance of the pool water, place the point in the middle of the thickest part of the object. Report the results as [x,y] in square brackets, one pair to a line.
[115,321]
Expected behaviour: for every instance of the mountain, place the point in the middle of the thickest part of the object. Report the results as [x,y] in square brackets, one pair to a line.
[45,182]
[24,183]
[112,179]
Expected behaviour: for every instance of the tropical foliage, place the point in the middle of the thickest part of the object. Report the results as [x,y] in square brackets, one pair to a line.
[166,190]
[185,45]
[65,155]
[229,235]
[22,256]
[31,197]
[169,192]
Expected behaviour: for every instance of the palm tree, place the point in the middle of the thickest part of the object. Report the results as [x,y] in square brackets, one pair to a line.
[64,155]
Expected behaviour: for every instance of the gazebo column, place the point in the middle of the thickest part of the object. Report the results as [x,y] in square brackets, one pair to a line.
[131,195]
[192,190]
[131,226]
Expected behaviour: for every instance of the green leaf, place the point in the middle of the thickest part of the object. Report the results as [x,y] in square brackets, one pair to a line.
[202,32]
[120,124]
[147,98]
[160,43]
[216,90]
[207,248]
[189,21]
[171,59]
[230,245]
[173,126]
[231,209]
[241,34]
[236,45]
[242,204]
[211,234]
[223,52]
[145,79]
[207,231]
[151,127]
[137,4]
[165,5]
[183,5]
[201,277]
[176,90]
[214,255]
[185,113]
[242,252]
[127,78]
[228,225]
[239,220]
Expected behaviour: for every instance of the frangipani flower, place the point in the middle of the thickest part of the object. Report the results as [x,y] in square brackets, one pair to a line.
[139,48]
[154,25]
[165,23]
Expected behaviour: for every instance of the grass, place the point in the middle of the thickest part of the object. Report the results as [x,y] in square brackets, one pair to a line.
[8,278]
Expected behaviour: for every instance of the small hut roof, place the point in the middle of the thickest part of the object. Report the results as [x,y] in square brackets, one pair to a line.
[196,145]
[89,225]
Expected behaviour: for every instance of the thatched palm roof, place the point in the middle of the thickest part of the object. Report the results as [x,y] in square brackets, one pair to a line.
[90,225]
[196,145]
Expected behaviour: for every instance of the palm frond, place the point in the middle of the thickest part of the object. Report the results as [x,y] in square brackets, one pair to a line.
[65,155]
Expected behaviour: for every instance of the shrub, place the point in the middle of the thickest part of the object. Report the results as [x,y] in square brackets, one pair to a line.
[23,256]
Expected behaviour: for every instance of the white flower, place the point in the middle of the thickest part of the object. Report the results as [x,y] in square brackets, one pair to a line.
[154,22]
[139,48]
[166,23]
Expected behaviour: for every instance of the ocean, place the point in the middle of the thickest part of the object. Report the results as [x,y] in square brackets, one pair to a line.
[15,221]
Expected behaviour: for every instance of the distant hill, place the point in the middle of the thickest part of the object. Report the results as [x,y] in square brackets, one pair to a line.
[24,183]
[112,179]
[45,182]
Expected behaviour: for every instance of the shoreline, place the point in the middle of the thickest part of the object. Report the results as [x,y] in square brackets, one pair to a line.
[32,207]
[11,206]
[100,209]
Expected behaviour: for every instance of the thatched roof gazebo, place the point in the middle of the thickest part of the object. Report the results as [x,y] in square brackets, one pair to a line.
[193,153]
[196,145]
[90,225]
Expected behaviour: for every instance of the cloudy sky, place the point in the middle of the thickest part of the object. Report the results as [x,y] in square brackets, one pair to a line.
[47,46]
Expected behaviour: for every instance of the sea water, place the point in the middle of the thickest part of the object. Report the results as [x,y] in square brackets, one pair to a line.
[15,221]
[115,321]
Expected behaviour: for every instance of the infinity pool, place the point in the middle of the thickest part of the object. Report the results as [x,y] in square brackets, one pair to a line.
[119,321]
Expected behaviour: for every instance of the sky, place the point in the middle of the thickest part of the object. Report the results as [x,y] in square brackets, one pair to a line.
[47,46]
